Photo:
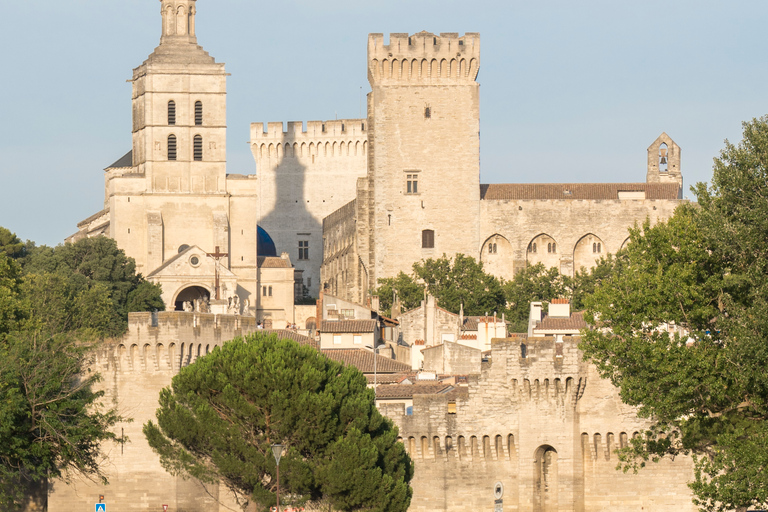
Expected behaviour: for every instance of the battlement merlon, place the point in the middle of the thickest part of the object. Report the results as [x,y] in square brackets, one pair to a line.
[314,131]
[423,58]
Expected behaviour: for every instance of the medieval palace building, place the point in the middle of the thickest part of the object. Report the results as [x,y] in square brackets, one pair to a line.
[511,423]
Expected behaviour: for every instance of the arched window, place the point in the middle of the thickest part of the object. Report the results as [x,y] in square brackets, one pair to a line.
[549,247]
[198,113]
[428,239]
[554,247]
[171,147]
[198,148]
[171,112]
[663,150]
[533,247]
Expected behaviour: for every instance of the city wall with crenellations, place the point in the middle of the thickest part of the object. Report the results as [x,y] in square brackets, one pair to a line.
[134,369]
[545,425]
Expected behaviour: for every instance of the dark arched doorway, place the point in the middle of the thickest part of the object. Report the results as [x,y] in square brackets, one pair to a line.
[545,480]
[191,294]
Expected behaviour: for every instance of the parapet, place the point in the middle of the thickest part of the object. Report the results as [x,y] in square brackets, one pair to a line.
[423,58]
[337,129]
[340,137]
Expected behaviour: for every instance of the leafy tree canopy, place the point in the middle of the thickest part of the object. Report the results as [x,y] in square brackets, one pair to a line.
[90,273]
[53,304]
[409,292]
[461,280]
[10,245]
[532,283]
[220,416]
[705,390]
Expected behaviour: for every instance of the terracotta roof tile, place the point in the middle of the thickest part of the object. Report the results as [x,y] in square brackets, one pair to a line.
[272,262]
[575,322]
[593,191]
[409,390]
[363,360]
[348,326]
[561,301]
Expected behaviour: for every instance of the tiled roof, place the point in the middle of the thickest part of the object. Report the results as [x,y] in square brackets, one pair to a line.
[515,191]
[390,378]
[470,323]
[409,390]
[292,335]
[272,262]
[561,301]
[575,322]
[348,326]
[363,360]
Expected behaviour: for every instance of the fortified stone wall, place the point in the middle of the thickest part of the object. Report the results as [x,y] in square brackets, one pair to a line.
[306,174]
[515,225]
[545,425]
[134,369]
[342,274]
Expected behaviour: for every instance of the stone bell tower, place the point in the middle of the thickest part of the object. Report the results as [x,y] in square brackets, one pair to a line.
[179,149]
[664,163]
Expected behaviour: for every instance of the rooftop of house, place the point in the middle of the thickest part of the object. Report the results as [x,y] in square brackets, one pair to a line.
[348,326]
[363,360]
[549,323]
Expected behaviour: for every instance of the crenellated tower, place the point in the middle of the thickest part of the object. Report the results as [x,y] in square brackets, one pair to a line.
[424,139]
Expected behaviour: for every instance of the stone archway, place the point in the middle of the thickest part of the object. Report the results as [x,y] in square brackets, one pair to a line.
[589,249]
[497,257]
[190,293]
[545,480]
[543,249]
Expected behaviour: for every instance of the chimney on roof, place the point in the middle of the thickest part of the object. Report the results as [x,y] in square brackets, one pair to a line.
[560,308]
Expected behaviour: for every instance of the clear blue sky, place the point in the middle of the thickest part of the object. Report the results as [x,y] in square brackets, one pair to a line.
[570,91]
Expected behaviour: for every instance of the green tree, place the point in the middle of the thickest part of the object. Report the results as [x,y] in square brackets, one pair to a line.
[409,292]
[584,281]
[459,281]
[220,416]
[11,305]
[51,421]
[532,283]
[705,392]
[90,267]
[10,245]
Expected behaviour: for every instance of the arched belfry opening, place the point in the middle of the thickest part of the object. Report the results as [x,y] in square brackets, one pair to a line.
[191,294]
[545,479]
[663,157]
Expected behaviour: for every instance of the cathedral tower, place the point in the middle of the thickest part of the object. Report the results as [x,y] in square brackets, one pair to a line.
[179,109]
[424,135]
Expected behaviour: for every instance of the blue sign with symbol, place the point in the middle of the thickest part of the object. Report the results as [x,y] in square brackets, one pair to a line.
[101,507]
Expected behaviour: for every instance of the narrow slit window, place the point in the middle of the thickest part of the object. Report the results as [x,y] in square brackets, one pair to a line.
[198,113]
[198,148]
[171,112]
[171,147]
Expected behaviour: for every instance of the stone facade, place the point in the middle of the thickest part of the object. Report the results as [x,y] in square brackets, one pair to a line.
[305,174]
[546,426]
[422,196]
[172,192]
